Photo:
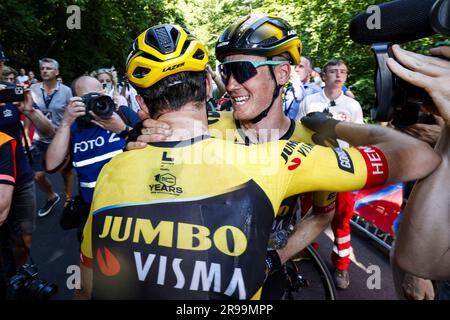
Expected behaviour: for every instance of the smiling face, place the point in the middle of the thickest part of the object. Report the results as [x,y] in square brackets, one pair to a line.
[253,96]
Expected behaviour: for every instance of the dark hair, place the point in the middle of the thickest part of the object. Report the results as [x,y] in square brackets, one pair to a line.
[174,91]
[332,62]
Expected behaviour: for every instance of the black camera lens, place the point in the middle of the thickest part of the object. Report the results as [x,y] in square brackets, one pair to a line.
[103,106]
[41,290]
[25,285]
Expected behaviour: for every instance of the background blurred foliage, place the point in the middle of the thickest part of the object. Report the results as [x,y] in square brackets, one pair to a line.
[30,30]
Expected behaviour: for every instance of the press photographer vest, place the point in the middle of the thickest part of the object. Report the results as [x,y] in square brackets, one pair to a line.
[92,148]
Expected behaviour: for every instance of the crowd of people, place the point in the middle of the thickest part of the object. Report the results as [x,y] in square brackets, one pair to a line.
[198,195]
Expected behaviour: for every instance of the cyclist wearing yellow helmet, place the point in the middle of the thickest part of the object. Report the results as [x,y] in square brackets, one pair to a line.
[190,217]
[256,52]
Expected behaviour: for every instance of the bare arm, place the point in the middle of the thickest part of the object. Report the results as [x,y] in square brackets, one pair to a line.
[41,123]
[59,147]
[7,175]
[408,158]
[6,192]
[305,232]
[423,243]
[26,127]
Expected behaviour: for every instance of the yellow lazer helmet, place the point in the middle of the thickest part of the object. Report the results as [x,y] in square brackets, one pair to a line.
[161,51]
[260,35]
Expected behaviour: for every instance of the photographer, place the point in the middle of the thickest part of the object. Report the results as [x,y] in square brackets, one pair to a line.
[23,205]
[88,140]
[423,242]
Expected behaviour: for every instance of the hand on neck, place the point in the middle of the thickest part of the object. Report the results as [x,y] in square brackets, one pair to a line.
[186,123]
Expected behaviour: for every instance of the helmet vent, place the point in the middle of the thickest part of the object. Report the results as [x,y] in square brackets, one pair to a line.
[185,46]
[150,56]
[199,54]
[141,72]
[164,40]
[268,42]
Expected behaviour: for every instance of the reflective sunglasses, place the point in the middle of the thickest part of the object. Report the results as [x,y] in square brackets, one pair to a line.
[243,70]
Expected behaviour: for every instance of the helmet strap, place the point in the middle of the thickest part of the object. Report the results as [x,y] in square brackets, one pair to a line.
[276,93]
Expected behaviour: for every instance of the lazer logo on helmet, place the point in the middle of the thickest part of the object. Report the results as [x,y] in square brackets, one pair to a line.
[173,67]
[291,32]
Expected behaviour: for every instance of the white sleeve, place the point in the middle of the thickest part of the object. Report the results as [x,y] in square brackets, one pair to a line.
[358,113]
[302,112]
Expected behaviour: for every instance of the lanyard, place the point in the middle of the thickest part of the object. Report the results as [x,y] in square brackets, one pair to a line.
[49,98]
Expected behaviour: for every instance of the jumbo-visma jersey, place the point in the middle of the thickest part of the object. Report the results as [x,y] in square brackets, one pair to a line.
[224,126]
[191,220]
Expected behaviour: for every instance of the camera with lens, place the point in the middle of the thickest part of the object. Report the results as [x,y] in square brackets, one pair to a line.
[25,285]
[399,21]
[102,105]
[396,99]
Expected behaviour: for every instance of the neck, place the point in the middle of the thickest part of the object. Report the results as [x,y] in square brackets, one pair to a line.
[50,84]
[332,93]
[186,123]
[270,128]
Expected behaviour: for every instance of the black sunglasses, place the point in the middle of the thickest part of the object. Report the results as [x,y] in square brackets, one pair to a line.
[243,70]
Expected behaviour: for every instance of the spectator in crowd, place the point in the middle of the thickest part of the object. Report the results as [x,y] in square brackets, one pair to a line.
[108,79]
[9,74]
[126,90]
[316,77]
[333,101]
[293,94]
[51,97]
[22,78]
[304,70]
[23,207]
[218,87]
[75,130]
[32,78]
[423,242]
[300,75]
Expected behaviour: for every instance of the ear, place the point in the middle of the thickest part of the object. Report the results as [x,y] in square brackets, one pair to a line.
[209,86]
[143,106]
[283,73]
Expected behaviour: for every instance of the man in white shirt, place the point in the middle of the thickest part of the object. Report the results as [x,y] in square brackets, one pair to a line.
[23,76]
[333,100]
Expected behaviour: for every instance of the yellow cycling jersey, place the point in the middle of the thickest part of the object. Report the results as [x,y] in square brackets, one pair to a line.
[223,125]
[191,219]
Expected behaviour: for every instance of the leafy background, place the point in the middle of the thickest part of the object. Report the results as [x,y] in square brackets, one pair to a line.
[31,29]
